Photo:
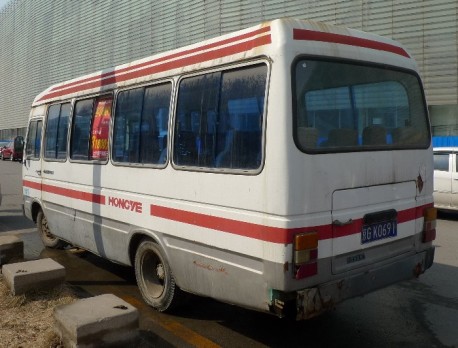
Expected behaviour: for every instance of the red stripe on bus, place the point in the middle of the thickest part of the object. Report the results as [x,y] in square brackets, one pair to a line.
[268,233]
[247,229]
[179,63]
[31,184]
[311,35]
[171,56]
[84,196]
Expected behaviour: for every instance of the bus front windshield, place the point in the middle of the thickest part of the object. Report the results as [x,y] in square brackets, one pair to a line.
[343,107]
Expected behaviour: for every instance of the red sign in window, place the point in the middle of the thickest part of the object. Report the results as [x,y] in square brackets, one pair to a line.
[100,129]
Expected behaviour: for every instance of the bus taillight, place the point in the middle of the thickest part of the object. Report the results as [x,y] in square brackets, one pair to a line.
[429,225]
[305,255]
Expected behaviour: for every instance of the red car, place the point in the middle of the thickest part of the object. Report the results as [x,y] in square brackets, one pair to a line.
[13,151]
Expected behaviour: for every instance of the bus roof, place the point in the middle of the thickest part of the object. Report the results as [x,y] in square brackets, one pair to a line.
[257,41]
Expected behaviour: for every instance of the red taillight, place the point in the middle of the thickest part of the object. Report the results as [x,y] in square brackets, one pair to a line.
[305,255]
[429,225]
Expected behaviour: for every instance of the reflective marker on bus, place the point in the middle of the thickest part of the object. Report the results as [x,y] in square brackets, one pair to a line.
[283,168]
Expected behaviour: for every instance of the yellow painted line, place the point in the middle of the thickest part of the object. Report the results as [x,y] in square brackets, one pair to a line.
[187,335]
[133,301]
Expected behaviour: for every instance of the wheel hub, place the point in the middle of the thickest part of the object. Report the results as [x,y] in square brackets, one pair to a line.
[160,271]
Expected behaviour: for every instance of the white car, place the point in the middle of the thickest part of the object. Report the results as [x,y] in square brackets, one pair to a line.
[446,178]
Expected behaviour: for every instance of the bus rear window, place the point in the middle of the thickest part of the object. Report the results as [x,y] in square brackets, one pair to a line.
[342,107]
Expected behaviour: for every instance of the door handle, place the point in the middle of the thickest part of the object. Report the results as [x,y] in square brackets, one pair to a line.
[342,223]
[38,172]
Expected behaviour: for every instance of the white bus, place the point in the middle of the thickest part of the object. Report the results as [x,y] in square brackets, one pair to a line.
[283,168]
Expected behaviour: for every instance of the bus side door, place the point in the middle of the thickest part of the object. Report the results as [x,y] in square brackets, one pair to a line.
[31,169]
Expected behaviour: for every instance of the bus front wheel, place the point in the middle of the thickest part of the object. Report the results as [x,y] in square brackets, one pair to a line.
[154,277]
[48,239]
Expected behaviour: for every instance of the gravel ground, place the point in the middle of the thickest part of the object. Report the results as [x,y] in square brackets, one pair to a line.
[27,320]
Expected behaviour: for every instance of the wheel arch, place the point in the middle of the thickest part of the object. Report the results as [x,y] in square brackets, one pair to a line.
[137,237]
[35,208]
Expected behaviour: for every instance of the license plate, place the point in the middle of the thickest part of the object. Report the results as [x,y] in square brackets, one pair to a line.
[378,231]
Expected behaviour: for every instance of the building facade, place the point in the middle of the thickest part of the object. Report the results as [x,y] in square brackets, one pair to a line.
[43,42]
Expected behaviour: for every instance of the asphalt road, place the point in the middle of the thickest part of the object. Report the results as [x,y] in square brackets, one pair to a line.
[417,313]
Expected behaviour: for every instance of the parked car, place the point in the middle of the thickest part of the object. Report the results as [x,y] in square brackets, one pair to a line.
[13,150]
[446,178]
[3,145]
[8,151]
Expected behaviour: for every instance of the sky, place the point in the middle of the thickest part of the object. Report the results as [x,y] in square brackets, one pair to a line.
[3,3]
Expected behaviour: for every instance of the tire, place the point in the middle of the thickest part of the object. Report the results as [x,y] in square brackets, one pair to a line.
[155,278]
[48,239]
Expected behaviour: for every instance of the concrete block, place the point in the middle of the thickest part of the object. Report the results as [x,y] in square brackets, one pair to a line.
[33,275]
[11,249]
[100,321]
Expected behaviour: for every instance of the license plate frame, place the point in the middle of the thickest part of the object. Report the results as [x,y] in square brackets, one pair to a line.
[378,231]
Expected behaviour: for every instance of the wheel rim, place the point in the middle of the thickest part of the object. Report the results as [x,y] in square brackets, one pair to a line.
[153,274]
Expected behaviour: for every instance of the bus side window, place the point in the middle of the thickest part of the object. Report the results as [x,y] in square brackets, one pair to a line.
[219,119]
[193,140]
[81,128]
[242,99]
[34,140]
[100,129]
[56,131]
[154,124]
[141,125]
[90,129]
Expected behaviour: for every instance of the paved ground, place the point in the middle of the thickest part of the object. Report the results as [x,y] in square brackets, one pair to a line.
[417,313]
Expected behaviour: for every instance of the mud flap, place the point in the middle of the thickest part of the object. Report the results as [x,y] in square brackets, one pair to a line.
[311,303]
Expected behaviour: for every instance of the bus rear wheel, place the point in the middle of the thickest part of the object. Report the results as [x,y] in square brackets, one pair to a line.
[155,278]
[48,239]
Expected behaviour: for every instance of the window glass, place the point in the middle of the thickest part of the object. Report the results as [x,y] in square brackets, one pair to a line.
[219,119]
[81,127]
[155,124]
[441,161]
[34,140]
[56,131]
[51,131]
[90,129]
[349,107]
[100,129]
[62,131]
[195,133]
[141,125]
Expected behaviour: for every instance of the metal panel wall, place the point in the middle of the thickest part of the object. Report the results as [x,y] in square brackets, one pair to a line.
[46,41]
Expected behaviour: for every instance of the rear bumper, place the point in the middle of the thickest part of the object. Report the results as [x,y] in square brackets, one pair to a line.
[311,302]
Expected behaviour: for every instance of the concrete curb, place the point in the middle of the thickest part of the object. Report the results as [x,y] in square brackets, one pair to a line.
[100,321]
[11,248]
[39,274]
